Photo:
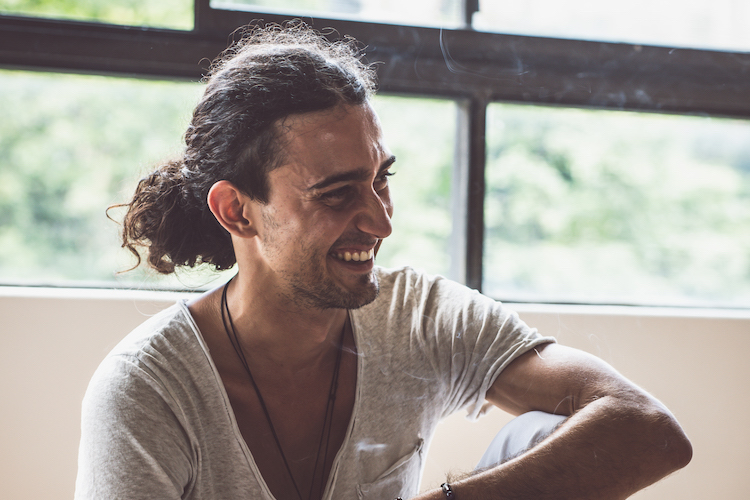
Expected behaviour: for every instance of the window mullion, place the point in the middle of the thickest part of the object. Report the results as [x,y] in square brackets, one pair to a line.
[469,8]
[468,193]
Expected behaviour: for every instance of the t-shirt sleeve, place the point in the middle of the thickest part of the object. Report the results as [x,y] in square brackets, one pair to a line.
[467,339]
[132,440]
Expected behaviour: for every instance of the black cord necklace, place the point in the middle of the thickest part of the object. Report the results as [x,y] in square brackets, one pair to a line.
[325,433]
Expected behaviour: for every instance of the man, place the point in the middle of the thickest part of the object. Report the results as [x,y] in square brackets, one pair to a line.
[314,373]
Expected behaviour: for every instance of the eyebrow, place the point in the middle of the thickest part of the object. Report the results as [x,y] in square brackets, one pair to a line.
[353,175]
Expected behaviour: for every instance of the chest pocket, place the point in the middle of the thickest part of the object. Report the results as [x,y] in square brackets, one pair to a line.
[401,479]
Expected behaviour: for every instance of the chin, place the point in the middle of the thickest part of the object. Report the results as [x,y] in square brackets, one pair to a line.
[364,293]
[363,300]
[332,296]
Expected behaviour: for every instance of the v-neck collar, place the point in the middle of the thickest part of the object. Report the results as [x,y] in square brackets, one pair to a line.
[328,491]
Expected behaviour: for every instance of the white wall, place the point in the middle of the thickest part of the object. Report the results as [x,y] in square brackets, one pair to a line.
[693,361]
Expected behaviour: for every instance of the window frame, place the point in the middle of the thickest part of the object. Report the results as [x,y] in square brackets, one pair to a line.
[473,68]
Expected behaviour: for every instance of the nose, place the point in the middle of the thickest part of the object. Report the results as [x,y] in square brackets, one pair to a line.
[375,215]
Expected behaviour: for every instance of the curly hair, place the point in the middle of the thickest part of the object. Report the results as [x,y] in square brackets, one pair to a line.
[270,73]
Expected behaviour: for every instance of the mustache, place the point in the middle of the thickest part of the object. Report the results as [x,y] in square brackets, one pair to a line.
[360,239]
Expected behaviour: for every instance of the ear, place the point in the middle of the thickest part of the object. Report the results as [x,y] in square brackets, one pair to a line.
[232,208]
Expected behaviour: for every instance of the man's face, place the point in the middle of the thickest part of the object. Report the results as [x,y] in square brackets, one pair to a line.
[329,207]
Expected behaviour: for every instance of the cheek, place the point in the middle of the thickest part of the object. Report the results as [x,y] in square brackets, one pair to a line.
[326,227]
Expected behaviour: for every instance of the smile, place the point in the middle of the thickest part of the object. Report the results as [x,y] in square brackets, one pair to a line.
[355,256]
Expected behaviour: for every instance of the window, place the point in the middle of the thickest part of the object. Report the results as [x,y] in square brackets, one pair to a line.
[176,14]
[445,13]
[73,145]
[624,161]
[717,24]
[421,188]
[617,207]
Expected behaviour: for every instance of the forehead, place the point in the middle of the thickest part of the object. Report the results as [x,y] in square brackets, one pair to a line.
[330,142]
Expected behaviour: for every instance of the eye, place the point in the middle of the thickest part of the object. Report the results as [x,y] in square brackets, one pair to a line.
[337,196]
[381,181]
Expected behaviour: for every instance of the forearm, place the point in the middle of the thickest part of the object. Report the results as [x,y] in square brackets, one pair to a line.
[609,449]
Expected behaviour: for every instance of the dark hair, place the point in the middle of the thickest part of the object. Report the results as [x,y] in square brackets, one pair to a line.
[271,73]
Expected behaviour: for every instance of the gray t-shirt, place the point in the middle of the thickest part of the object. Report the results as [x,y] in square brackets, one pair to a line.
[157,422]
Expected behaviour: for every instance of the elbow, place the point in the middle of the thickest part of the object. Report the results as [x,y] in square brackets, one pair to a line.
[681,449]
[676,451]
[662,443]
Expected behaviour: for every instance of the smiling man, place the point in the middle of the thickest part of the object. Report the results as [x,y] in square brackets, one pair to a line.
[329,206]
[313,373]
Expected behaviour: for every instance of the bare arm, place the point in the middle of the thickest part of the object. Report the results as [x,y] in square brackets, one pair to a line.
[618,439]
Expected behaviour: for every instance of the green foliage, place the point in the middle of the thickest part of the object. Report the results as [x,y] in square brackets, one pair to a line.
[615,206]
[581,205]
[177,14]
[70,146]
[421,133]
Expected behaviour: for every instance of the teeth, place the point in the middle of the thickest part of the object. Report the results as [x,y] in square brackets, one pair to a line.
[356,256]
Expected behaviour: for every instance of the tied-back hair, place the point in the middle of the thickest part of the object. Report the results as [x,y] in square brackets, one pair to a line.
[270,73]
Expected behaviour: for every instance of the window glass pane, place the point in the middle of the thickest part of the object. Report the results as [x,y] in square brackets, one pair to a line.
[176,14]
[70,146]
[617,207]
[421,133]
[446,13]
[716,24]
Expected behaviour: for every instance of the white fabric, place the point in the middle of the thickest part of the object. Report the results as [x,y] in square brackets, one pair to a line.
[518,436]
[157,422]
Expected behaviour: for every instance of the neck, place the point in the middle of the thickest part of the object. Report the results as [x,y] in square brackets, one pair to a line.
[290,337]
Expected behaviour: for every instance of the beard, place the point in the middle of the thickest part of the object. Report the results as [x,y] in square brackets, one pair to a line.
[310,285]
[325,294]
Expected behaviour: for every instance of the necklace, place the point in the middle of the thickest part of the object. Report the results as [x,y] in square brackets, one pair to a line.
[325,433]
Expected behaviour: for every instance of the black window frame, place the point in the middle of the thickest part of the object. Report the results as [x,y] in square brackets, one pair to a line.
[473,68]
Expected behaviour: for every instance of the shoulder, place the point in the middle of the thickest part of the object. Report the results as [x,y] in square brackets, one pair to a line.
[173,325]
[409,288]
[162,352]
[413,301]
[407,282]
[424,304]
[169,338]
